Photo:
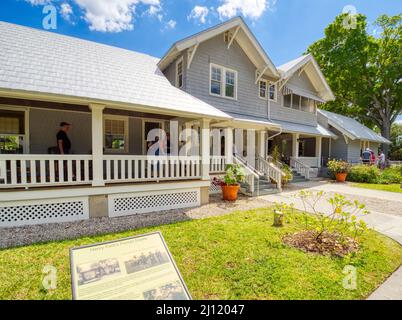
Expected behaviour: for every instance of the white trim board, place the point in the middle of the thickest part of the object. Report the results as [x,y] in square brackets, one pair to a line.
[65,192]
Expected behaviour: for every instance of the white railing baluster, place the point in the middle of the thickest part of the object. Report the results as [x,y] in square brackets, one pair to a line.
[23,171]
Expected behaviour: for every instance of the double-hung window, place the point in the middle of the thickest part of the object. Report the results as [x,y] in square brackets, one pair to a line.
[12,131]
[223,82]
[267,90]
[263,89]
[272,92]
[116,134]
[179,73]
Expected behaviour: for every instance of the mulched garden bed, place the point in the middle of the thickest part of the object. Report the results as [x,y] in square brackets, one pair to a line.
[328,244]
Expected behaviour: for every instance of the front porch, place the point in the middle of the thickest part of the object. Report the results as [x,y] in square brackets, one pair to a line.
[110,171]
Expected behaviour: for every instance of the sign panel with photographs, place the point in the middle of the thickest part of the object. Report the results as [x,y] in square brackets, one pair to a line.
[137,268]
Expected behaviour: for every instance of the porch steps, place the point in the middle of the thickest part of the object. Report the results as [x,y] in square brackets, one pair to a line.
[297,177]
[262,187]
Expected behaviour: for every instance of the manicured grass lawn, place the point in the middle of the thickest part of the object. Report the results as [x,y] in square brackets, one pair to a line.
[383,187]
[237,256]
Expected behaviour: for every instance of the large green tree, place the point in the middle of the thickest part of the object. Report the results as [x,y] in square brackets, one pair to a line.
[364,70]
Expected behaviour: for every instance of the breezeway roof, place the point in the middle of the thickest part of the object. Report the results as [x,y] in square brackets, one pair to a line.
[39,62]
[352,128]
[304,129]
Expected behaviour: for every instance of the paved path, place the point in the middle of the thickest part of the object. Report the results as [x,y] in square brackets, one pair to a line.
[385,217]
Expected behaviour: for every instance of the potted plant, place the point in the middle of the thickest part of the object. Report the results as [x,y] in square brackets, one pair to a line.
[340,169]
[231,182]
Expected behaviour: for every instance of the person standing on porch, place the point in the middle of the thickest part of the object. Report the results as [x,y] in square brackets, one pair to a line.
[63,142]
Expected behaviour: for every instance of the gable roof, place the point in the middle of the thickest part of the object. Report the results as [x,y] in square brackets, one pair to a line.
[244,37]
[352,128]
[309,65]
[39,62]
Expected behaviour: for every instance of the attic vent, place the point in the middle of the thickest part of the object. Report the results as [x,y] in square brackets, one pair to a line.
[227,36]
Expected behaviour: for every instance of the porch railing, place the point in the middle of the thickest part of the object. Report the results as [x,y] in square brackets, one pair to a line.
[119,169]
[271,171]
[218,164]
[44,170]
[300,167]
[252,177]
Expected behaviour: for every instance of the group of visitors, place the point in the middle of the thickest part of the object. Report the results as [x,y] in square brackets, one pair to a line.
[369,158]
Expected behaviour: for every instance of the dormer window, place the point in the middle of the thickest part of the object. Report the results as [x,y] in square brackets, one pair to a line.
[179,73]
[223,82]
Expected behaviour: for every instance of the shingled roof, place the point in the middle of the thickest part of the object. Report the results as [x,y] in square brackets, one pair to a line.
[42,62]
[352,128]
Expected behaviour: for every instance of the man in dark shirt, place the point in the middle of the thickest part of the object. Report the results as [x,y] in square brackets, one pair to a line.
[63,142]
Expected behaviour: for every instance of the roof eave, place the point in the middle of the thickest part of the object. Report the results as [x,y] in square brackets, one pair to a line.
[54,97]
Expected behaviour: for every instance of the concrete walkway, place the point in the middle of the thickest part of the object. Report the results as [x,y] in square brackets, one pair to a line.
[379,203]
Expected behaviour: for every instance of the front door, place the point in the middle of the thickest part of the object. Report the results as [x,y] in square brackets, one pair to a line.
[148,126]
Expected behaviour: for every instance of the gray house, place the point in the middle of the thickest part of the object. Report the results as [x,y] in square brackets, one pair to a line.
[354,137]
[219,85]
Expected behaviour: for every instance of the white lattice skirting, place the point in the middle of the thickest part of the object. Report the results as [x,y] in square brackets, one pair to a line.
[31,212]
[144,202]
[213,189]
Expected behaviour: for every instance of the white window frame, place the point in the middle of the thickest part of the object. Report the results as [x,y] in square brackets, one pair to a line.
[144,141]
[223,81]
[180,60]
[126,133]
[268,85]
[266,89]
[26,146]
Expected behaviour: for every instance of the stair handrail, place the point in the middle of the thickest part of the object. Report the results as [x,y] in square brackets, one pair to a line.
[250,172]
[272,171]
[300,167]
[275,162]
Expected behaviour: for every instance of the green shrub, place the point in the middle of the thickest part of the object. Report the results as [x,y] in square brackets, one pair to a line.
[371,174]
[390,176]
[364,174]
[288,174]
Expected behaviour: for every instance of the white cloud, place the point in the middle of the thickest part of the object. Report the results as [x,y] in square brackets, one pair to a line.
[171,24]
[199,13]
[252,9]
[112,15]
[66,11]
[38,2]
[108,15]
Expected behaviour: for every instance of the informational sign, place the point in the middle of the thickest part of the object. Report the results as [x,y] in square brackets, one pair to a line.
[136,268]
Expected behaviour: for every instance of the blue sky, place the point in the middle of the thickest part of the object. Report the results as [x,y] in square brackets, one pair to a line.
[285,28]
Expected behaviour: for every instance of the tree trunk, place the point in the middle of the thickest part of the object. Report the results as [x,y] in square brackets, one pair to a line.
[386,133]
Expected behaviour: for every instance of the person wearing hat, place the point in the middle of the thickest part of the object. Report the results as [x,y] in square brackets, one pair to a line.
[63,142]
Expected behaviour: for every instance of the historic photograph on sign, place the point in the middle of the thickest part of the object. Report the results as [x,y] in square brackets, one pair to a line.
[137,268]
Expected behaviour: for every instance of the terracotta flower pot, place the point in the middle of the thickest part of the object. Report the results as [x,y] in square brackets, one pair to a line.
[230,192]
[341,177]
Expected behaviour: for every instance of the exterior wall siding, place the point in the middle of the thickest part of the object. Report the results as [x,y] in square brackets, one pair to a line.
[44,125]
[248,102]
[353,151]
[339,148]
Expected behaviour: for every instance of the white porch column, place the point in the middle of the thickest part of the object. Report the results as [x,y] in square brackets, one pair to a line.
[216,142]
[97,144]
[251,147]
[229,145]
[295,145]
[261,144]
[205,149]
[188,138]
[318,148]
